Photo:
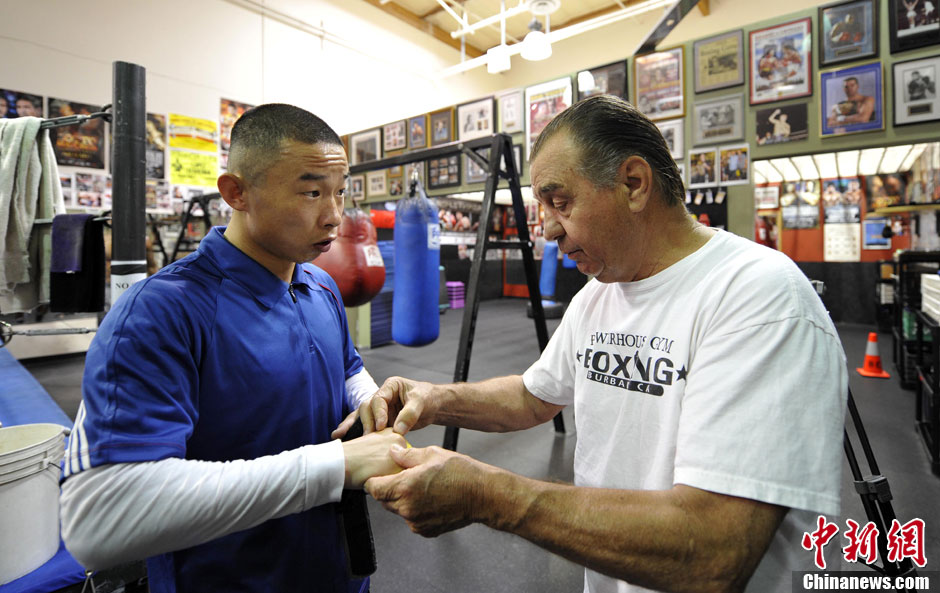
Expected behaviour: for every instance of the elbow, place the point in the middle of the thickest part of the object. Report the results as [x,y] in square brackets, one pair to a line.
[81,537]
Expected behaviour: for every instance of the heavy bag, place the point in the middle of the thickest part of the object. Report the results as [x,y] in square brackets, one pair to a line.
[415,300]
[354,260]
[549,270]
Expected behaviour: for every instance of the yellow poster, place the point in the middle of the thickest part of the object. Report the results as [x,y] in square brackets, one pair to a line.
[193,133]
[193,168]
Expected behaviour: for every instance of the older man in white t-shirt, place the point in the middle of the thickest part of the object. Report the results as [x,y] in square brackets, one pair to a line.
[707,380]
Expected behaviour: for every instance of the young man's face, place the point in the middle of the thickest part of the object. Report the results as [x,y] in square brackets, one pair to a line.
[294,212]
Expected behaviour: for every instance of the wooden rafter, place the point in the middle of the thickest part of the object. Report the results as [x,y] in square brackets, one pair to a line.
[703,7]
[431,29]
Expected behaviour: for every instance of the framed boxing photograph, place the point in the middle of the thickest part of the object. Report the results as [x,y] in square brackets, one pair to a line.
[394,136]
[418,132]
[781,62]
[719,61]
[476,119]
[915,91]
[912,24]
[703,167]
[734,164]
[658,78]
[365,146]
[673,132]
[610,79]
[442,126]
[786,123]
[852,100]
[718,120]
[847,31]
[510,111]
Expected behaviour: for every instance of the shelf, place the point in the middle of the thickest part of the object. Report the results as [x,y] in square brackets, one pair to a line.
[901,209]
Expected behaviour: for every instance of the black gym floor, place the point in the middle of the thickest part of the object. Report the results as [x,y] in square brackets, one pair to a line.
[477,559]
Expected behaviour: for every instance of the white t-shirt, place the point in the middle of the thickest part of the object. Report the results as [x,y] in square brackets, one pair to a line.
[722,372]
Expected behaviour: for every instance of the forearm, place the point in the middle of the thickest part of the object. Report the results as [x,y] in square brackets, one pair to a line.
[131,511]
[655,539]
[502,404]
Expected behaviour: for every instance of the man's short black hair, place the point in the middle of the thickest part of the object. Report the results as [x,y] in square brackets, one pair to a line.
[260,132]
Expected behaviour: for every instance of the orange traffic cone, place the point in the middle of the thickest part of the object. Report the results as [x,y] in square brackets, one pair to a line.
[872,366]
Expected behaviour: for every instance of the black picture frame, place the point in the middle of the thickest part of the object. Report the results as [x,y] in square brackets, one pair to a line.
[902,36]
[444,171]
[921,103]
[844,40]
[610,79]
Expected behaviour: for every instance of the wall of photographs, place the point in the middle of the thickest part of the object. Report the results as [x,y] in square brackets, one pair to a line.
[850,74]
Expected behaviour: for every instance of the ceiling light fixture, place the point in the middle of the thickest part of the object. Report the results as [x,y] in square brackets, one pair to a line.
[536,45]
[497,58]
[555,36]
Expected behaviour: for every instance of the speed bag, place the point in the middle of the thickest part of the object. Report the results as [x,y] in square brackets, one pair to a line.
[354,260]
[415,300]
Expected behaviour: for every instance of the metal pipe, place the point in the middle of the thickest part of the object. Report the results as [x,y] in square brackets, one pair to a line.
[128,169]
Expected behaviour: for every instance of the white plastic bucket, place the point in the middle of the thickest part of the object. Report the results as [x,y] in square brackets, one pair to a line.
[29,497]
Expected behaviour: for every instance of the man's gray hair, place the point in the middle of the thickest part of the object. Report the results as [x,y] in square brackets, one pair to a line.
[608,130]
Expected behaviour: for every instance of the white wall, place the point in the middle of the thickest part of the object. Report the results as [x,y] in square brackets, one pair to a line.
[370,70]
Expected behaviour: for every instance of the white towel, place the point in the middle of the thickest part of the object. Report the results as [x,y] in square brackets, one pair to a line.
[29,189]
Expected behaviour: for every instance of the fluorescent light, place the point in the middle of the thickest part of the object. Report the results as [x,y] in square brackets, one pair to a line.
[847,161]
[806,166]
[786,168]
[497,59]
[894,156]
[758,176]
[912,156]
[869,159]
[826,165]
[768,171]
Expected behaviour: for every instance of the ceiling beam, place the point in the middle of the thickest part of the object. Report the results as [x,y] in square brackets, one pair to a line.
[703,7]
[437,9]
[431,29]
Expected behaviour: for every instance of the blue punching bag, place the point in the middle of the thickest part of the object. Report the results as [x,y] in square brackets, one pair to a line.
[416,297]
[552,308]
[549,271]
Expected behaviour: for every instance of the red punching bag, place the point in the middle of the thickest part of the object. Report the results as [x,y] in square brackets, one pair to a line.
[354,260]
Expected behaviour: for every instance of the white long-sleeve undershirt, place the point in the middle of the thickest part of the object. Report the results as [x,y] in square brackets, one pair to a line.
[130,511]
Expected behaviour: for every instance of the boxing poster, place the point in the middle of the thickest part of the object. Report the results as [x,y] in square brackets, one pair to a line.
[842,200]
[545,101]
[80,145]
[18,104]
[229,112]
[800,205]
[885,190]
[193,133]
[156,146]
